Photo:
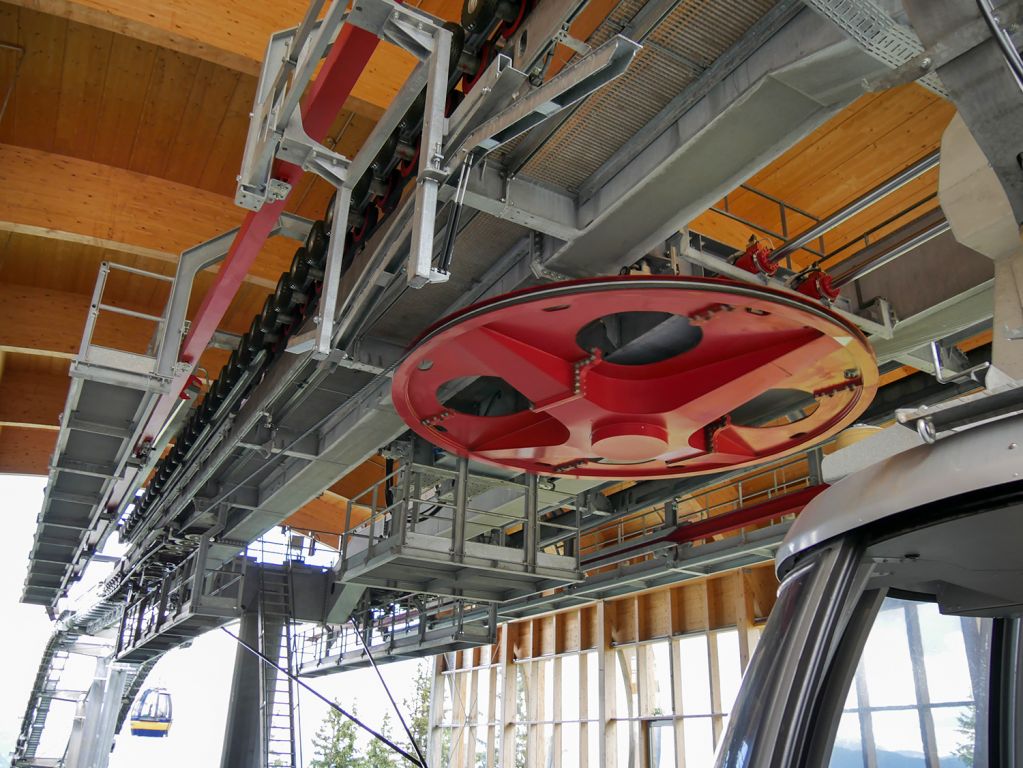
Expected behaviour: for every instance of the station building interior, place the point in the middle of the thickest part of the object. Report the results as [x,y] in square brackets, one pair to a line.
[653,369]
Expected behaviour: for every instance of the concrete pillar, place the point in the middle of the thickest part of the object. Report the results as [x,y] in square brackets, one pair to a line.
[981,217]
[92,735]
[242,744]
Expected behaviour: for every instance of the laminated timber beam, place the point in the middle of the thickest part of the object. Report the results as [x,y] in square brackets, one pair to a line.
[234,34]
[31,399]
[64,198]
[47,322]
[26,451]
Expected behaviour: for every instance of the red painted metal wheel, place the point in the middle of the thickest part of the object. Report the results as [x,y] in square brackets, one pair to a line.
[635,377]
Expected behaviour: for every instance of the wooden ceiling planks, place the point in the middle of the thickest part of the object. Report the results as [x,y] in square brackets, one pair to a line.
[171,80]
[85,65]
[32,391]
[232,33]
[193,154]
[34,105]
[226,146]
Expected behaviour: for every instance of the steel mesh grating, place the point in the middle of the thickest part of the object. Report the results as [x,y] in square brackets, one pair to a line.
[676,52]
[877,33]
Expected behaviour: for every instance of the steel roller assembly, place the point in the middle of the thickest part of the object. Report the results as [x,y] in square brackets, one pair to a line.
[636,377]
[485,29]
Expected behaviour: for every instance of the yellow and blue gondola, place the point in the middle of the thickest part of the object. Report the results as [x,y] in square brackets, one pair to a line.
[151,715]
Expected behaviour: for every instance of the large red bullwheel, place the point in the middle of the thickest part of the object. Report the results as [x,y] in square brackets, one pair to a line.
[635,377]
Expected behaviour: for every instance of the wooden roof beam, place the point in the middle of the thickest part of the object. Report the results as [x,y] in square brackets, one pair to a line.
[32,399]
[64,198]
[47,322]
[26,451]
[235,33]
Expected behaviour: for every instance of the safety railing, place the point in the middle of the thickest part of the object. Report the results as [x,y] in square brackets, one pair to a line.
[779,479]
[125,363]
[190,589]
[786,213]
[407,621]
[411,499]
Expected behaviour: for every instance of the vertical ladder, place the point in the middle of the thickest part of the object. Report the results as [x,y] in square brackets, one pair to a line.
[279,699]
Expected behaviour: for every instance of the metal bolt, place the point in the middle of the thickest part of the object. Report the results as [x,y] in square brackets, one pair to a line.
[1012,446]
[925,428]
[925,63]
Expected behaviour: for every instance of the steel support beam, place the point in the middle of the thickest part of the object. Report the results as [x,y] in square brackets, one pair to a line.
[963,311]
[490,189]
[796,80]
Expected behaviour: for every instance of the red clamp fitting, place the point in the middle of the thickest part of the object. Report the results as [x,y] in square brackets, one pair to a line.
[817,284]
[757,259]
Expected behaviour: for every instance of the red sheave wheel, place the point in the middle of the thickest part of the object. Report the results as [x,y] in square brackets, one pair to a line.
[635,377]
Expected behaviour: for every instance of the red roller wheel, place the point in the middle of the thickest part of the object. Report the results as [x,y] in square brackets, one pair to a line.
[635,377]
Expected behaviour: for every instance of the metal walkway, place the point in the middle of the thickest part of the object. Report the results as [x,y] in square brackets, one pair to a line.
[112,391]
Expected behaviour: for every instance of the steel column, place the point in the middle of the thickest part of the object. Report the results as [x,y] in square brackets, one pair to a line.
[531,537]
[461,500]
[242,747]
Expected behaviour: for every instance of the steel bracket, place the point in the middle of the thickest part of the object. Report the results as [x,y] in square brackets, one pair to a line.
[562,36]
[541,249]
[453,147]
[297,148]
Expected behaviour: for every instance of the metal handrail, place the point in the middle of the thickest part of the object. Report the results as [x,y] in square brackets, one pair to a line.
[708,510]
[97,305]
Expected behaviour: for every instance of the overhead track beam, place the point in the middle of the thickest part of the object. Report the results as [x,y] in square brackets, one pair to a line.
[798,78]
[342,67]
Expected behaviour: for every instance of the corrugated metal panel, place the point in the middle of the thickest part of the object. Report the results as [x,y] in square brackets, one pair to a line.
[689,39]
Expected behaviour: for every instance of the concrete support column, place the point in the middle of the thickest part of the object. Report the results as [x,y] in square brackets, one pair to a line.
[242,745]
[1007,349]
[981,216]
[92,735]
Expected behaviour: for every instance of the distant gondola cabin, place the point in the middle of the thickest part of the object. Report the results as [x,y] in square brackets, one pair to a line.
[151,715]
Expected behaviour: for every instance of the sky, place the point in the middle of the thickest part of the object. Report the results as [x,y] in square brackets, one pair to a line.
[198,677]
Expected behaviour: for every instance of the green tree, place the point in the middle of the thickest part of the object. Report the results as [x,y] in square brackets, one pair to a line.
[379,755]
[335,743]
[417,708]
[967,727]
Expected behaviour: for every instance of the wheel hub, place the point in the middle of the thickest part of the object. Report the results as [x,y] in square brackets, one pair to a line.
[636,377]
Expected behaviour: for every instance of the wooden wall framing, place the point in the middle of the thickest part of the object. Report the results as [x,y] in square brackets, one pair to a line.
[552,692]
